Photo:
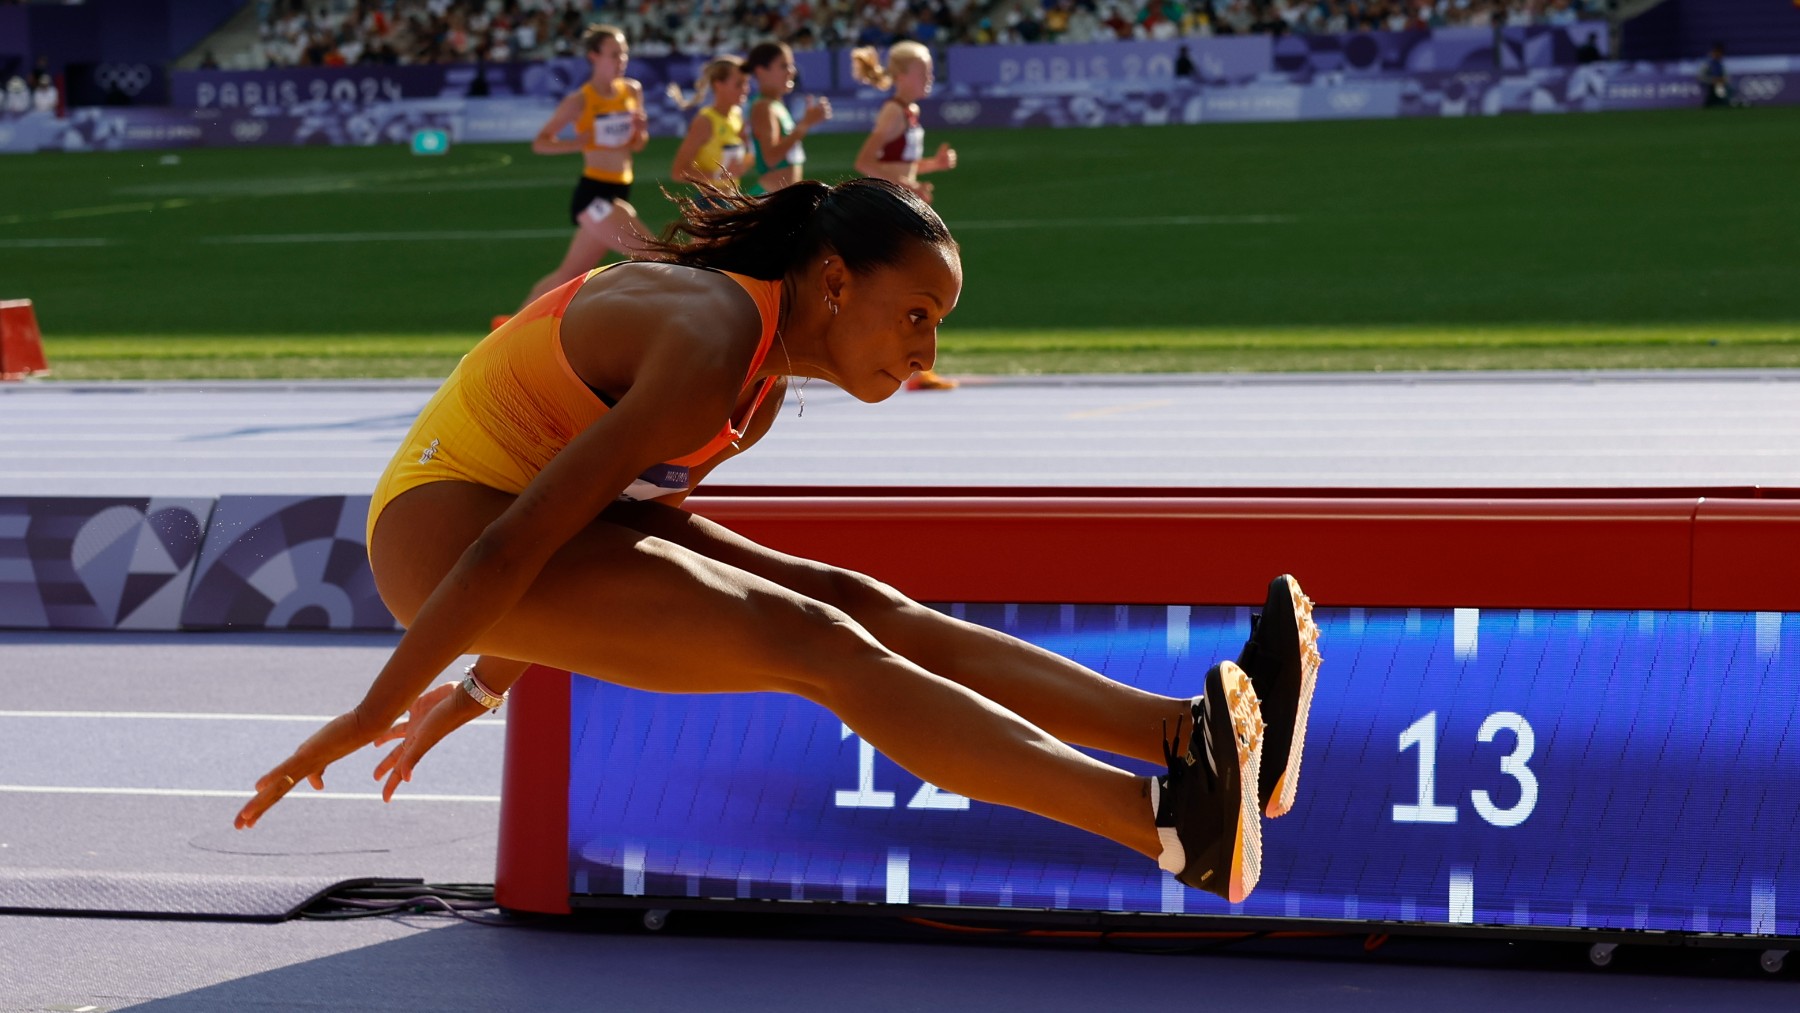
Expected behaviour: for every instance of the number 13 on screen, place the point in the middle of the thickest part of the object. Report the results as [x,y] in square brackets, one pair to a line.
[1422,734]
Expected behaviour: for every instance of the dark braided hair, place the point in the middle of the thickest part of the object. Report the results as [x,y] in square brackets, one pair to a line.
[868,222]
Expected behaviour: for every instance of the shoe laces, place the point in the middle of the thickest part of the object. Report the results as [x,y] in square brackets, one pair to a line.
[1173,753]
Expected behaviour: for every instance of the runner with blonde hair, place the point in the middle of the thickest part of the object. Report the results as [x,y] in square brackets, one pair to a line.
[895,147]
[712,156]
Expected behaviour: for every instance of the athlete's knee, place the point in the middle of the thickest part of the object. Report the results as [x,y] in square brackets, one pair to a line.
[812,646]
[861,595]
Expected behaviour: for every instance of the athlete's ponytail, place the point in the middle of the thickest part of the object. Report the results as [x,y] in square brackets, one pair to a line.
[866,66]
[716,72]
[868,222]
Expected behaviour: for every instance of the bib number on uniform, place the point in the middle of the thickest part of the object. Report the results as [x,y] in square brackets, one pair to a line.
[597,210]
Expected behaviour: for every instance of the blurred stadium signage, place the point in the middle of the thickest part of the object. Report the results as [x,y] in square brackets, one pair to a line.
[430,141]
[1376,75]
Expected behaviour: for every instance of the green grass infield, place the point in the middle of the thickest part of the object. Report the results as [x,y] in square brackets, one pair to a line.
[1149,350]
[1631,240]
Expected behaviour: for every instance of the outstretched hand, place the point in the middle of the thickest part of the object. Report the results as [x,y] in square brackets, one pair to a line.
[340,737]
[435,714]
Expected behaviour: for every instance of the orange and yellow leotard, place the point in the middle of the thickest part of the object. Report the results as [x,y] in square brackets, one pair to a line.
[514,401]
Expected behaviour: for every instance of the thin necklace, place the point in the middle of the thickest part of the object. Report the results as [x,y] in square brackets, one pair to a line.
[800,391]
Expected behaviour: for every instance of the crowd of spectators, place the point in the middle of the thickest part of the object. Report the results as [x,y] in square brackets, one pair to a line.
[341,32]
[1107,20]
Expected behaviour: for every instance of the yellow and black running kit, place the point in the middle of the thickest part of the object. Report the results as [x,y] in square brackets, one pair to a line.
[605,122]
[514,402]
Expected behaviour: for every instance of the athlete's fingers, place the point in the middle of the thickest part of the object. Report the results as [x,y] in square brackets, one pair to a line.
[269,790]
[387,763]
[317,780]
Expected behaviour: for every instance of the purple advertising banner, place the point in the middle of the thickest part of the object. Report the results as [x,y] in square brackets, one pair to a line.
[1443,49]
[15,38]
[1539,46]
[368,85]
[967,70]
[1589,88]
[1024,68]
[93,563]
[286,563]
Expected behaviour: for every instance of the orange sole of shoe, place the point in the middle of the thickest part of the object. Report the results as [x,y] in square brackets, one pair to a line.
[1247,733]
[1287,786]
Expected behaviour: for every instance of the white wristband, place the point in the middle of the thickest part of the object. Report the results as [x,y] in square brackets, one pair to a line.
[479,691]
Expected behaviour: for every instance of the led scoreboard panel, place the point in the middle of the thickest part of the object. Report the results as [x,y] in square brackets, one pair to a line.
[1555,766]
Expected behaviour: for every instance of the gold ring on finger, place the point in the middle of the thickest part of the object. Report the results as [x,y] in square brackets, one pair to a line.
[289,778]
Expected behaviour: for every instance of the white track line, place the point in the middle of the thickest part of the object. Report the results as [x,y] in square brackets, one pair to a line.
[238,793]
[198,716]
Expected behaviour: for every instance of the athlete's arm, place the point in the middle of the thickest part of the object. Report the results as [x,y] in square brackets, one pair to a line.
[640,121]
[685,380]
[547,143]
[944,159]
[445,708]
[698,133]
[767,129]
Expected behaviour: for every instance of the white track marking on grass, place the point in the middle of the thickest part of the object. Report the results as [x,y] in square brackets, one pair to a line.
[332,796]
[466,235]
[552,183]
[1057,223]
[51,244]
[458,235]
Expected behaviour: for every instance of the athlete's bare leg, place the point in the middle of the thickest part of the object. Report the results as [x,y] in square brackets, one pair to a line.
[1071,702]
[620,230]
[644,612]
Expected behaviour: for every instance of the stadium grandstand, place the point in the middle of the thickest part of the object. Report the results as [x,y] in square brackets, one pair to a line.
[348,32]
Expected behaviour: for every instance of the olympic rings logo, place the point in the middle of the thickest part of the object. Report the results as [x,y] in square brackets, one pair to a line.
[248,130]
[128,78]
[1349,101]
[1761,89]
[959,112]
